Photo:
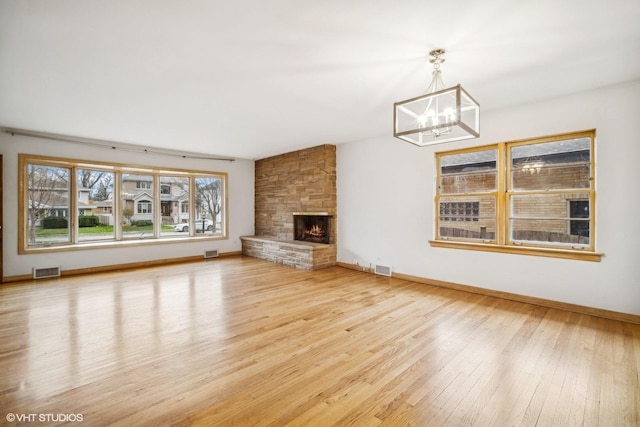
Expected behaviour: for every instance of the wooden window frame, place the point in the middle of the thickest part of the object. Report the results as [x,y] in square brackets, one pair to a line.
[503,192]
[118,169]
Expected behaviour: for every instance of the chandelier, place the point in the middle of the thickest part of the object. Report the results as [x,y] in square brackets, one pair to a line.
[440,115]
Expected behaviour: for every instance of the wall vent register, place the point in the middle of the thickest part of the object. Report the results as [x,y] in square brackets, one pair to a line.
[45,272]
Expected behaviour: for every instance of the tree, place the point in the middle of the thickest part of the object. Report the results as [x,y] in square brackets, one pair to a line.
[101,193]
[99,182]
[127,214]
[209,197]
[89,178]
[48,188]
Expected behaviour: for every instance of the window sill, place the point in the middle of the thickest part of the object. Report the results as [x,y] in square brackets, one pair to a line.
[113,244]
[519,250]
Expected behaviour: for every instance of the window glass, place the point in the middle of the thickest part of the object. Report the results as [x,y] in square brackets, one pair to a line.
[173,199]
[560,214]
[467,217]
[137,206]
[558,218]
[551,165]
[579,213]
[464,212]
[95,205]
[209,205]
[48,204]
[469,172]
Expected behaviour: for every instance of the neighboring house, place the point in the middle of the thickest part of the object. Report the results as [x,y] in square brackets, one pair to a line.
[558,216]
[137,201]
[104,207]
[86,206]
[137,197]
[55,202]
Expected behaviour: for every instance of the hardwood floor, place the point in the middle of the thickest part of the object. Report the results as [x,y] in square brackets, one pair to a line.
[240,341]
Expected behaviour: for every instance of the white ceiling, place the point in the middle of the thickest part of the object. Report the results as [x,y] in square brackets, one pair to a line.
[255,78]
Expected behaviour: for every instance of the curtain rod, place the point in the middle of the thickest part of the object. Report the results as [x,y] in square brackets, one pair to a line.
[112,145]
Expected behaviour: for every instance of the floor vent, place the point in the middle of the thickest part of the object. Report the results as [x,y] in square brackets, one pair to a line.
[43,273]
[383,270]
[211,254]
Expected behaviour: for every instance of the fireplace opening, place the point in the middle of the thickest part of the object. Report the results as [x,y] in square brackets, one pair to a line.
[312,228]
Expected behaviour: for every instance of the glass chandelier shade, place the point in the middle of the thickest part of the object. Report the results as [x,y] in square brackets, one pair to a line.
[441,115]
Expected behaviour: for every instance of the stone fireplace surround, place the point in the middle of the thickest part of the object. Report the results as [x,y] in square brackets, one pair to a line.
[300,181]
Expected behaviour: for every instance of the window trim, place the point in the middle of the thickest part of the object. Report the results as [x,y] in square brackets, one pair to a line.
[117,168]
[503,242]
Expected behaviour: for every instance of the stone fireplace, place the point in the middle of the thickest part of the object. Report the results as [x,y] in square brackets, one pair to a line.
[301,182]
[312,227]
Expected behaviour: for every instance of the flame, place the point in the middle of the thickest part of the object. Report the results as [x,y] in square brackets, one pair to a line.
[315,230]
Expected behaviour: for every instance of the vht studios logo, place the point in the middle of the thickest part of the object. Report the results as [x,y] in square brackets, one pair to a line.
[44,418]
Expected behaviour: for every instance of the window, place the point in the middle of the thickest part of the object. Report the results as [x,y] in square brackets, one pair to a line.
[579,218]
[462,211]
[209,201]
[175,194]
[95,187]
[144,207]
[467,195]
[137,201]
[60,213]
[532,196]
[46,204]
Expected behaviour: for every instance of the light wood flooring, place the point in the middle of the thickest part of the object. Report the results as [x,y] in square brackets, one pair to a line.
[243,342]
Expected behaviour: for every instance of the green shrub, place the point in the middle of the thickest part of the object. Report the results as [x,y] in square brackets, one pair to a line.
[88,221]
[141,222]
[55,222]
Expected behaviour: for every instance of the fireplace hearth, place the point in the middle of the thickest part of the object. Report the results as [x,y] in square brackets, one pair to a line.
[312,227]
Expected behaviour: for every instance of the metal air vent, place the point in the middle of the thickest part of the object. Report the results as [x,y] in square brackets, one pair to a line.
[213,253]
[383,270]
[45,272]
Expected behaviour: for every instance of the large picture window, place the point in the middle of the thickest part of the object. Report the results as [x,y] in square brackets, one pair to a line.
[534,196]
[113,203]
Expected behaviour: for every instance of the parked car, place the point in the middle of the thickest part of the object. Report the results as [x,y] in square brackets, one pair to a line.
[184,227]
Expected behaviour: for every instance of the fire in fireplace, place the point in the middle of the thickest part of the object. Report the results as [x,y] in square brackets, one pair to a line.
[312,227]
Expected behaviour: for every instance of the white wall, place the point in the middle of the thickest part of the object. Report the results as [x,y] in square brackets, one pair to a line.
[386,191]
[240,206]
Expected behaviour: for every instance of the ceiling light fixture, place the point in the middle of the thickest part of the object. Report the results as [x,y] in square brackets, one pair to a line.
[441,115]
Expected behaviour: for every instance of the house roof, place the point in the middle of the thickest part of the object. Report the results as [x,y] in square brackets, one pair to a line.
[252,79]
[520,152]
[137,178]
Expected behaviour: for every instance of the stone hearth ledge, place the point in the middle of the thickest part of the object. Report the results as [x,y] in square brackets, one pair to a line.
[305,255]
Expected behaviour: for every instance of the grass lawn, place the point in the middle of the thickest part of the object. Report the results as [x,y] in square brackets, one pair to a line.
[100,229]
